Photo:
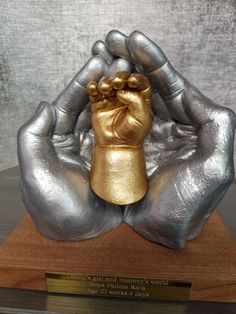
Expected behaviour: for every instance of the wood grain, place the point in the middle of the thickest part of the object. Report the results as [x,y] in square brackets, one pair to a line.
[208,261]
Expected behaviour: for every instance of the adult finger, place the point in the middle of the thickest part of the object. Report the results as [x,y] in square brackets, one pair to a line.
[120,65]
[116,43]
[100,48]
[164,78]
[136,47]
[75,96]
[34,146]
[84,124]
[42,122]
[150,59]
[215,126]
[155,64]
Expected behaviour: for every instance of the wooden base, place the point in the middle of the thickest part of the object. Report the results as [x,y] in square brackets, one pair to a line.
[209,261]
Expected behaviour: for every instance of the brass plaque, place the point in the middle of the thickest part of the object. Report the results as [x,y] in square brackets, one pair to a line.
[121,287]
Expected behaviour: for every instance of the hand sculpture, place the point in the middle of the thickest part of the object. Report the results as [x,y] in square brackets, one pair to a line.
[121,119]
[189,152]
[52,151]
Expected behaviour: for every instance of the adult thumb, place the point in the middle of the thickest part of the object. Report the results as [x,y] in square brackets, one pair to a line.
[42,122]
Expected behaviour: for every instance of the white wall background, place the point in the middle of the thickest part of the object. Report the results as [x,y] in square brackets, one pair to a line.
[44,43]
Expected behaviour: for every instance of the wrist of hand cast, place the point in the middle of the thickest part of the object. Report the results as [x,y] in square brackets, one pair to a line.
[118,173]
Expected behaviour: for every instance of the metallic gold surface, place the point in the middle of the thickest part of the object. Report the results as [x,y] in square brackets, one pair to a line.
[122,287]
[121,119]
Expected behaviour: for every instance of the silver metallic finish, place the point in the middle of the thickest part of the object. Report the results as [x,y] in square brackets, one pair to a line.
[99,48]
[189,152]
[119,64]
[73,99]
[54,150]
[120,49]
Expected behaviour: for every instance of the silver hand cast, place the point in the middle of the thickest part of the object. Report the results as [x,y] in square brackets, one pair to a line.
[189,153]
[53,150]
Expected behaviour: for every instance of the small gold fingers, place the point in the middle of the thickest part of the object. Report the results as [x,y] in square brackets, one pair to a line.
[92,88]
[119,79]
[104,86]
[138,81]
[109,86]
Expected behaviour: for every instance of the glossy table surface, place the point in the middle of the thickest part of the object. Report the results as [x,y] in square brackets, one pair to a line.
[23,301]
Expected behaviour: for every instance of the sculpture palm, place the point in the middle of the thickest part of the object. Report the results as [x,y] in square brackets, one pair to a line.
[189,152]
[52,151]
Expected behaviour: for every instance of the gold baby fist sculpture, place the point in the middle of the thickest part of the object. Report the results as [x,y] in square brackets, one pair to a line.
[121,119]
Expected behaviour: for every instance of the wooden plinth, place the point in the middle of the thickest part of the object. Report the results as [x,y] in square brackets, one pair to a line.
[208,261]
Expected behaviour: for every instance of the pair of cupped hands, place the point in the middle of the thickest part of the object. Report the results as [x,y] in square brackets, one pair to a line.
[189,153]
